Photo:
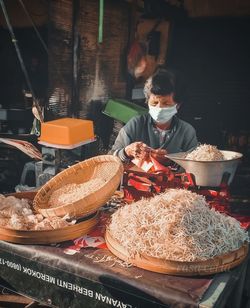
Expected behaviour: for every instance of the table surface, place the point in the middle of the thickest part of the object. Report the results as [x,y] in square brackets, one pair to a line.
[67,275]
[95,276]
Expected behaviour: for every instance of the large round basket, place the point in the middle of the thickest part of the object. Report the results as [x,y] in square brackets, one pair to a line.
[48,236]
[177,268]
[106,167]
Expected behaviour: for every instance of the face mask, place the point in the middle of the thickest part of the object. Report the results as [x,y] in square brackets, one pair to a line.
[162,115]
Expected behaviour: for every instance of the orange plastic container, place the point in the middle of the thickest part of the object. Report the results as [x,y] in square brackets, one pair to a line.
[67,131]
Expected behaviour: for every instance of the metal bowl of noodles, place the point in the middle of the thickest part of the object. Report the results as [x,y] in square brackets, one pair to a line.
[209,173]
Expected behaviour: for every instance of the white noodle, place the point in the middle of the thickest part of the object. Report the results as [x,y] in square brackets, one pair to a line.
[72,192]
[176,225]
[206,152]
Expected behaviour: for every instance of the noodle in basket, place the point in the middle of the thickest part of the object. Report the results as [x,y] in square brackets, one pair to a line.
[176,225]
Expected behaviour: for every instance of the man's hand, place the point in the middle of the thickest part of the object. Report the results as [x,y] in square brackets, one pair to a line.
[138,150]
[159,155]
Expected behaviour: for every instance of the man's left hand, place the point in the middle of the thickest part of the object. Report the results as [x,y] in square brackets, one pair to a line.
[159,155]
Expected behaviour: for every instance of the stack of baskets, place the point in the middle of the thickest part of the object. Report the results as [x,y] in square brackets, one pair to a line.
[106,167]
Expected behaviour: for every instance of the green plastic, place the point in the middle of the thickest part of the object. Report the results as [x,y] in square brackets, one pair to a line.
[122,110]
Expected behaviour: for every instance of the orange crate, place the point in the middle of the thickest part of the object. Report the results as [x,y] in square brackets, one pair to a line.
[67,131]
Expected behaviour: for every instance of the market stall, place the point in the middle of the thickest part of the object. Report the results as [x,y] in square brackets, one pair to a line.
[124,206]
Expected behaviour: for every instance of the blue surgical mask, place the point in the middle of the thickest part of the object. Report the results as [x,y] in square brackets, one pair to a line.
[162,115]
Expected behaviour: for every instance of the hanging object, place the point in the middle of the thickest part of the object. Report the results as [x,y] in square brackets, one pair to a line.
[100,28]
[136,53]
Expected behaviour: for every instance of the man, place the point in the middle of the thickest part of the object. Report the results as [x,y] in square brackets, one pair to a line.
[159,131]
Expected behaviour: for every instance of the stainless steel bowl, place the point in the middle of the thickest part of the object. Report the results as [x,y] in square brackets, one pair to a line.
[209,173]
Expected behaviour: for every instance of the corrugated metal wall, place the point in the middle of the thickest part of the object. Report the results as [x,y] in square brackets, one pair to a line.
[101,66]
[60,56]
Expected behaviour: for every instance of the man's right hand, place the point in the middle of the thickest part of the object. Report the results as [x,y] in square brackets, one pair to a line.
[137,150]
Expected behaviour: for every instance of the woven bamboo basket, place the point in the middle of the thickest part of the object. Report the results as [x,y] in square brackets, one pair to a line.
[214,265]
[48,236]
[106,167]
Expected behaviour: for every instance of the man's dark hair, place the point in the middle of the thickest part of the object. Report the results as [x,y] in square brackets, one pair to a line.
[163,82]
[166,81]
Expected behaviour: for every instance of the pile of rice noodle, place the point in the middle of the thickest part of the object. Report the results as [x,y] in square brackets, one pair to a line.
[176,225]
[206,152]
[72,192]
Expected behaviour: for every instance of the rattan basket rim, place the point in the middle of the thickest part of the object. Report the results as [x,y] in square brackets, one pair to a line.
[178,268]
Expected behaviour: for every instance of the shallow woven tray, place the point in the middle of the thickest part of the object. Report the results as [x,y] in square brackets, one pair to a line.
[47,236]
[215,265]
[107,167]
